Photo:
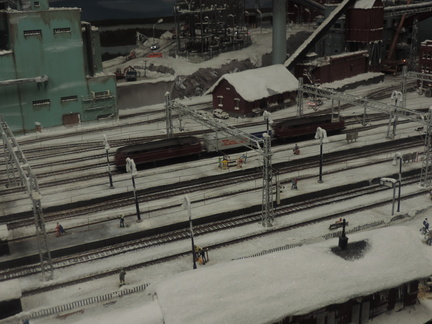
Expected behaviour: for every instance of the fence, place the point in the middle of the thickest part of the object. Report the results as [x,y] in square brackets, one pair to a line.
[86,301]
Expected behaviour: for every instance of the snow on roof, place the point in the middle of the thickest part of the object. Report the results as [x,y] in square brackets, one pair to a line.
[293,282]
[364,4]
[260,83]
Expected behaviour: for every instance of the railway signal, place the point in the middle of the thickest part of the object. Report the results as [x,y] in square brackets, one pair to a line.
[131,168]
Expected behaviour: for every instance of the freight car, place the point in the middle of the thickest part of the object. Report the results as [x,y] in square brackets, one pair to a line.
[305,126]
[169,149]
[154,151]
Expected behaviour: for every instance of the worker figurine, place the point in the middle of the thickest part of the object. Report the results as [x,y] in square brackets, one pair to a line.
[296,150]
[59,230]
[239,162]
[122,277]
[244,157]
[294,184]
[122,224]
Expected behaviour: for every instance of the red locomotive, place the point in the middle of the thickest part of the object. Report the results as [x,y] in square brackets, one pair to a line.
[159,150]
[307,125]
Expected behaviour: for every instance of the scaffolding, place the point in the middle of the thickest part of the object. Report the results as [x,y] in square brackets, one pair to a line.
[209,27]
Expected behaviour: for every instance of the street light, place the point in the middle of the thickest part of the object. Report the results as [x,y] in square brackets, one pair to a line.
[396,157]
[322,135]
[187,205]
[107,148]
[267,118]
[158,22]
[131,168]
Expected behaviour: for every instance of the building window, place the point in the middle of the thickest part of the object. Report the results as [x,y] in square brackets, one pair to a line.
[43,102]
[36,4]
[61,30]
[69,98]
[101,94]
[33,32]
[220,98]
[228,88]
[236,104]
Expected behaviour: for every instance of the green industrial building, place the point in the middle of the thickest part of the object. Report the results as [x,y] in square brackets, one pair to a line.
[50,68]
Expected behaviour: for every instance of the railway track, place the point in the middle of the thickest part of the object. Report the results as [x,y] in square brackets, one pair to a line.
[76,163]
[85,208]
[290,206]
[240,218]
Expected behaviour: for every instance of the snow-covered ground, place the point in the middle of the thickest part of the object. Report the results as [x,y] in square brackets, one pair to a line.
[142,307]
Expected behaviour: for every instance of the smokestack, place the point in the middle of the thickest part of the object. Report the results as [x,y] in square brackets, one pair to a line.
[279,32]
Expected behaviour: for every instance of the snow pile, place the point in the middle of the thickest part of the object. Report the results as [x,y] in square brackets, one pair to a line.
[294,282]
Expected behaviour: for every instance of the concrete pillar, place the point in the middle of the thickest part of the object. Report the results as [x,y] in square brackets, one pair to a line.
[279,32]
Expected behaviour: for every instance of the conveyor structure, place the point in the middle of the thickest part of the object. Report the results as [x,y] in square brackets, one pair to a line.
[319,32]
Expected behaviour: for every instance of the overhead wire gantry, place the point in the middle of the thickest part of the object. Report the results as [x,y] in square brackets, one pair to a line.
[262,146]
[20,173]
[394,112]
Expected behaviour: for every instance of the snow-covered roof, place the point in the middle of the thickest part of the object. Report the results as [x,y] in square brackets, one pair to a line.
[364,4]
[260,83]
[298,281]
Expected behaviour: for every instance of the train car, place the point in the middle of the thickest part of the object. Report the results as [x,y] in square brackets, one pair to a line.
[159,150]
[307,126]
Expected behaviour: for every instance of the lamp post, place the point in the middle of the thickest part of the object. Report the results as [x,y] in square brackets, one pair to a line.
[107,148]
[131,168]
[322,135]
[187,205]
[158,22]
[396,157]
[268,120]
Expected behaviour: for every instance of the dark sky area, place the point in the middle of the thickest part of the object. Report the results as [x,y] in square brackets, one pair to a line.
[93,10]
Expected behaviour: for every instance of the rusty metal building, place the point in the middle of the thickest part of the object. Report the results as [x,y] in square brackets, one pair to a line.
[364,30]
[332,68]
